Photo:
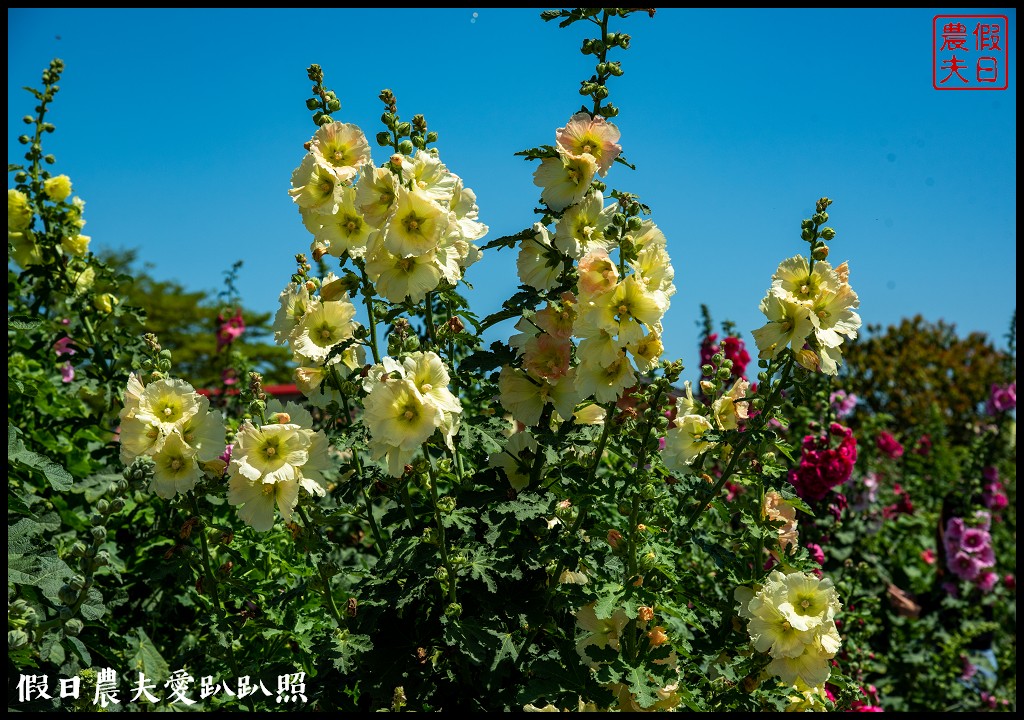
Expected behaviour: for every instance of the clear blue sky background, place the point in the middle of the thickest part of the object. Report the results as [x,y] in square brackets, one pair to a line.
[181,127]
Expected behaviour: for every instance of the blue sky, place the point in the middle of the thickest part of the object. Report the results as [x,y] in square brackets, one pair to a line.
[181,127]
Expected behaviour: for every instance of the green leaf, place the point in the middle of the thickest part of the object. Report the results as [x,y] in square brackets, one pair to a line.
[92,607]
[145,658]
[59,478]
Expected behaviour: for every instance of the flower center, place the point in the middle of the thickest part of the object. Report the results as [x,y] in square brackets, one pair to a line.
[325,334]
[405,264]
[339,156]
[326,187]
[176,464]
[408,414]
[271,451]
[167,412]
[350,226]
[426,387]
[268,488]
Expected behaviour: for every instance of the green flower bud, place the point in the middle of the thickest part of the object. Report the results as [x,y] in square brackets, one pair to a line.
[601,92]
[827,233]
[116,505]
[403,129]
[649,491]
[453,611]
[431,136]
[757,403]
[723,374]
[64,613]
[102,558]
[49,159]
[820,252]
[768,457]
[334,105]
[411,344]
[24,139]
[73,626]
[762,377]
[429,536]
[78,550]
[820,218]
[66,594]
[717,358]
[312,103]
[807,235]
[441,574]
[77,583]
[405,147]
[102,506]
[634,224]
[762,363]
[325,120]
[28,119]
[615,69]
[707,370]
[317,117]
[383,138]
[16,639]
[601,68]
[446,504]
[806,224]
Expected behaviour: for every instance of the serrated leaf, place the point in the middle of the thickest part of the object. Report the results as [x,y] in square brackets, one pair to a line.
[20,322]
[81,650]
[92,607]
[59,478]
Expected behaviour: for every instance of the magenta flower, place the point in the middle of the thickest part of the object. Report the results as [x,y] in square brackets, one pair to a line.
[230,329]
[1002,398]
[67,372]
[974,540]
[987,581]
[889,445]
[843,403]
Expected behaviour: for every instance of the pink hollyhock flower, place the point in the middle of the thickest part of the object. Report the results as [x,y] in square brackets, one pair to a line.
[974,540]
[928,556]
[889,445]
[987,581]
[1010,581]
[1002,398]
[816,552]
[230,329]
[64,346]
[67,372]
[843,403]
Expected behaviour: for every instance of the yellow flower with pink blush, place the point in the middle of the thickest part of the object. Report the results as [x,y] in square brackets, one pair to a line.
[591,135]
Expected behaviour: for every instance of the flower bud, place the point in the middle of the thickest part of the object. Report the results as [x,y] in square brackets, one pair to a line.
[807,234]
[72,627]
[827,233]
[66,594]
[99,533]
[17,639]
[24,139]
[820,252]
[453,611]
[325,120]
[820,218]
[431,136]
[723,373]
[64,613]
[403,129]
[707,370]
[334,105]
[312,103]
[614,538]
[446,504]
[405,147]
[28,119]
[78,550]
[102,506]
[717,358]
[649,491]
[707,387]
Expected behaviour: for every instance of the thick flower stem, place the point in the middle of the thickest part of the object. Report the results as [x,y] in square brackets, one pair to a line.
[371,321]
[209,578]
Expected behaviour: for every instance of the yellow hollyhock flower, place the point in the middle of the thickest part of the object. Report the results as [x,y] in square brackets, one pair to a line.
[175,468]
[341,148]
[57,188]
[592,135]
[565,179]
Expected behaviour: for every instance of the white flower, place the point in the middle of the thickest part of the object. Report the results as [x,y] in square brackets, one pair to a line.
[539,264]
[565,179]
[341,148]
[323,327]
[175,468]
[417,225]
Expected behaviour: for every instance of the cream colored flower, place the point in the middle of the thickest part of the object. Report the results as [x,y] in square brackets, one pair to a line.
[376,194]
[315,187]
[166,403]
[269,453]
[565,179]
[19,212]
[539,264]
[789,323]
[730,408]
[294,301]
[398,278]
[777,509]
[341,148]
[684,442]
[602,632]
[605,383]
[581,227]
[429,177]
[346,231]
[175,468]
[400,419]
[463,206]
[77,245]
[516,459]
[259,499]
[646,351]
[417,225]
[24,249]
[57,188]
[629,309]
[322,328]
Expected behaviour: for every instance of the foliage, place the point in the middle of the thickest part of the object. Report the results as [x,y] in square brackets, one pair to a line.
[560,521]
[918,368]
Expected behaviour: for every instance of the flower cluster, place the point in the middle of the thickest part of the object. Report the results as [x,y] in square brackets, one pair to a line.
[776,509]
[968,547]
[170,422]
[685,441]
[614,308]
[410,223]
[792,617]
[810,308]
[271,462]
[229,329]
[315,319]
[992,490]
[405,403]
[823,467]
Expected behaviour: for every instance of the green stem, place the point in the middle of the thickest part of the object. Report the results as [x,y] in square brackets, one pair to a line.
[442,542]
[207,567]
[324,578]
[428,314]
[367,292]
